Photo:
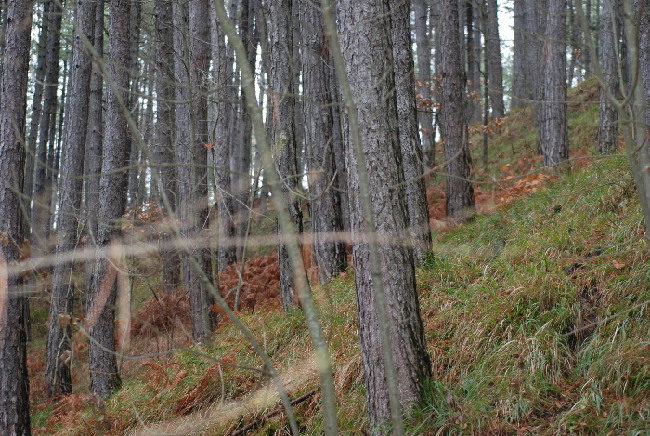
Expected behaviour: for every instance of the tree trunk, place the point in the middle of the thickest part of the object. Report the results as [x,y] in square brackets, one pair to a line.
[104,375]
[519,94]
[14,381]
[411,151]
[608,125]
[425,78]
[460,192]
[321,143]
[365,31]
[493,56]
[163,149]
[58,377]
[554,140]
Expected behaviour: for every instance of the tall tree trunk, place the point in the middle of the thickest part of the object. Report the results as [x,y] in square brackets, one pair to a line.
[493,56]
[554,140]
[93,149]
[58,377]
[104,373]
[222,71]
[375,180]
[460,192]
[425,78]
[281,107]
[163,148]
[473,59]
[14,381]
[133,104]
[519,94]
[326,213]
[608,125]
[409,140]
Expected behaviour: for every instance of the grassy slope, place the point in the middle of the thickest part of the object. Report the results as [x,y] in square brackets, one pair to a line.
[536,318]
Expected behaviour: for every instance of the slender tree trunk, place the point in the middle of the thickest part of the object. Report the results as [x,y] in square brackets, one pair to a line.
[473,59]
[425,78]
[326,213]
[519,94]
[58,377]
[14,381]
[365,31]
[493,56]
[411,151]
[460,192]
[93,149]
[104,373]
[163,149]
[608,125]
[554,140]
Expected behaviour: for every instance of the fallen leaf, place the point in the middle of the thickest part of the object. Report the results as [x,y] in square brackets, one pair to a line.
[618,265]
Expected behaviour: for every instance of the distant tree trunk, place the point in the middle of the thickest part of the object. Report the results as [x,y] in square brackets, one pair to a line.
[493,56]
[222,71]
[473,59]
[608,125]
[14,381]
[365,31]
[37,109]
[425,79]
[93,149]
[326,213]
[576,47]
[460,192]
[104,375]
[136,80]
[281,106]
[554,140]
[416,200]
[58,377]
[532,41]
[163,148]
[198,278]
[519,94]
[42,181]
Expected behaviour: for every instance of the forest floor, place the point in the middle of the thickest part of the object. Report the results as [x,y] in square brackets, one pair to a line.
[536,317]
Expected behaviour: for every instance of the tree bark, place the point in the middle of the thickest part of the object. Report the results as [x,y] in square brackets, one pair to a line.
[519,94]
[493,56]
[365,31]
[425,79]
[411,150]
[459,191]
[608,125]
[554,140]
[58,377]
[14,381]
[104,374]
[321,142]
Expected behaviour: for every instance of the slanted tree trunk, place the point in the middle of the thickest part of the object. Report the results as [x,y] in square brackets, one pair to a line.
[163,148]
[459,191]
[608,125]
[411,150]
[375,180]
[104,373]
[493,56]
[58,377]
[322,144]
[14,381]
[552,119]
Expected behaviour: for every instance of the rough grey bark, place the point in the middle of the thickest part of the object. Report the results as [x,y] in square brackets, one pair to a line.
[322,144]
[283,141]
[58,377]
[552,118]
[459,191]
[135,154]
[424,77]
[14,381]
[42,193]
[411,150]
[100,310]
[163,147]
[338,149]
[642,8]
[519,95]
[473,60]
[608,125]
[366,46]
[93,149]
[532,45]
[222,73]
[493,56]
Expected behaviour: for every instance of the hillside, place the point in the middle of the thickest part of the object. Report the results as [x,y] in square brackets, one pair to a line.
[536,317]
